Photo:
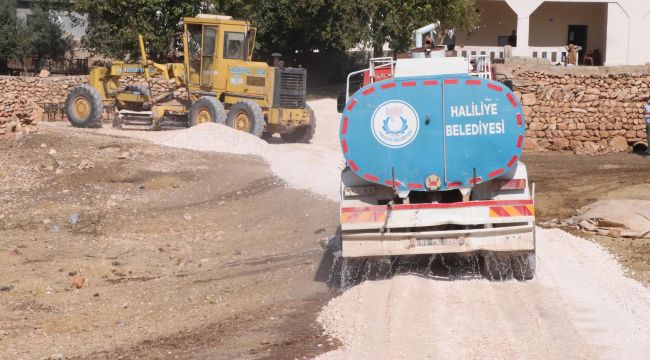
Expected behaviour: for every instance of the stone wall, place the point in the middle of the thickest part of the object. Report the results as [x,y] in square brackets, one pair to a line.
[588,111]
[22,98]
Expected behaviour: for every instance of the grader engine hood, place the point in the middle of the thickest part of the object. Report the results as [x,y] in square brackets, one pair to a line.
[432,132]
[290,88]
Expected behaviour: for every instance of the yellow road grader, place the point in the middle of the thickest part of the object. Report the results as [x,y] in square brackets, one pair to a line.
[224,85]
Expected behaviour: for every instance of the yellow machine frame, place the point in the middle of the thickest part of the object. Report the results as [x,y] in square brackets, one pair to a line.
[210,69]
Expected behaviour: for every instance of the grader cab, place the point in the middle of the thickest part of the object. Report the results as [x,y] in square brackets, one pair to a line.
[224,85]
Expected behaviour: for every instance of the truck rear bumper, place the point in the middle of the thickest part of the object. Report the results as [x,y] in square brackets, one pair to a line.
[372,243]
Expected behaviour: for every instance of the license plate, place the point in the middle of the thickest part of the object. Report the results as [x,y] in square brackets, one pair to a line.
[367,190]
[439,242]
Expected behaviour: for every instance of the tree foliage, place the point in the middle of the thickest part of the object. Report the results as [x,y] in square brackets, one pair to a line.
[113,26]
[47,37]
[394,21]
[41,35]
[287,26]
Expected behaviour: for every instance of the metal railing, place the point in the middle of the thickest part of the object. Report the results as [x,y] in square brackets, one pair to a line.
[480,66]
[375,63]
[494,52]
[556,55]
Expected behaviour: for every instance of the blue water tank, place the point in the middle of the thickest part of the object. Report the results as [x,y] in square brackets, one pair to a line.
[432,132]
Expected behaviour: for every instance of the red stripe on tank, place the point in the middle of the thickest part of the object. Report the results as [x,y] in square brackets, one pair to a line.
[371,177]
[495,173]
[391,183]
[353,165]
[494,87]
[368,91]
[352,104]
[513,161]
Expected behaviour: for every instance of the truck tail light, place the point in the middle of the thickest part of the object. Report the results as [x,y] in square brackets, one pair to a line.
[512,184]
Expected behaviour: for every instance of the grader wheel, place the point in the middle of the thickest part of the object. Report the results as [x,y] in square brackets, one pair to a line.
[206,109]
[246,116]
[84,106]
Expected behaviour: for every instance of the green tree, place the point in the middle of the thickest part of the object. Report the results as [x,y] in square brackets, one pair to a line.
[456,15]
[40,35]
[47,37]
[295,28]
[394,21]
[113,26]
[8,26]
[285,26]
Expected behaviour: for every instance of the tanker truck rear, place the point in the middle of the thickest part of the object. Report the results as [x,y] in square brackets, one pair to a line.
[433,167]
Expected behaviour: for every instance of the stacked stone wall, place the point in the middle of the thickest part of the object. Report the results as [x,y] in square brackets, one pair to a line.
[586,111]
[22,99]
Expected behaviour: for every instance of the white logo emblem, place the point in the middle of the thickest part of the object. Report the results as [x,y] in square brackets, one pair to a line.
[395,124]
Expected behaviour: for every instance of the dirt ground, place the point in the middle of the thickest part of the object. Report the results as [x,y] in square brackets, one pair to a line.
[565,182]
[181,251]
[199,253]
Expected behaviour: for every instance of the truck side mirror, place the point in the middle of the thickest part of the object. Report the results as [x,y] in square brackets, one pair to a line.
[340,102]
[508,84]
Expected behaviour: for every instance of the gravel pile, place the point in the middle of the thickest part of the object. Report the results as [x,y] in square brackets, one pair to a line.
[315,167]
[216,138]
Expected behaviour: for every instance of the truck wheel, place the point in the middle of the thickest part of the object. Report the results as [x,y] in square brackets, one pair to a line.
[206,109]
[246,116]
[303,134]
[496,267]
[84,106]
[523,265]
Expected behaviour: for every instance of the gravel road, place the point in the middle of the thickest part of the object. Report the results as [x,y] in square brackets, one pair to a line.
[580,305]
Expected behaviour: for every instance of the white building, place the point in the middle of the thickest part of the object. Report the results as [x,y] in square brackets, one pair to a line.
[23,11]
[617,29]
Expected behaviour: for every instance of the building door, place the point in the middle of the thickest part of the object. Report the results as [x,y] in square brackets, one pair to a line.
[578,36]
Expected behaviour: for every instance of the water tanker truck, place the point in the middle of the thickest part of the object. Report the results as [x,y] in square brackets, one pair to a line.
[433,150]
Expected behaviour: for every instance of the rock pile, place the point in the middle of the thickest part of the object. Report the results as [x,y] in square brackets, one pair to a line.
[18,114]
[158,86]
[22,100]
[587,113]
